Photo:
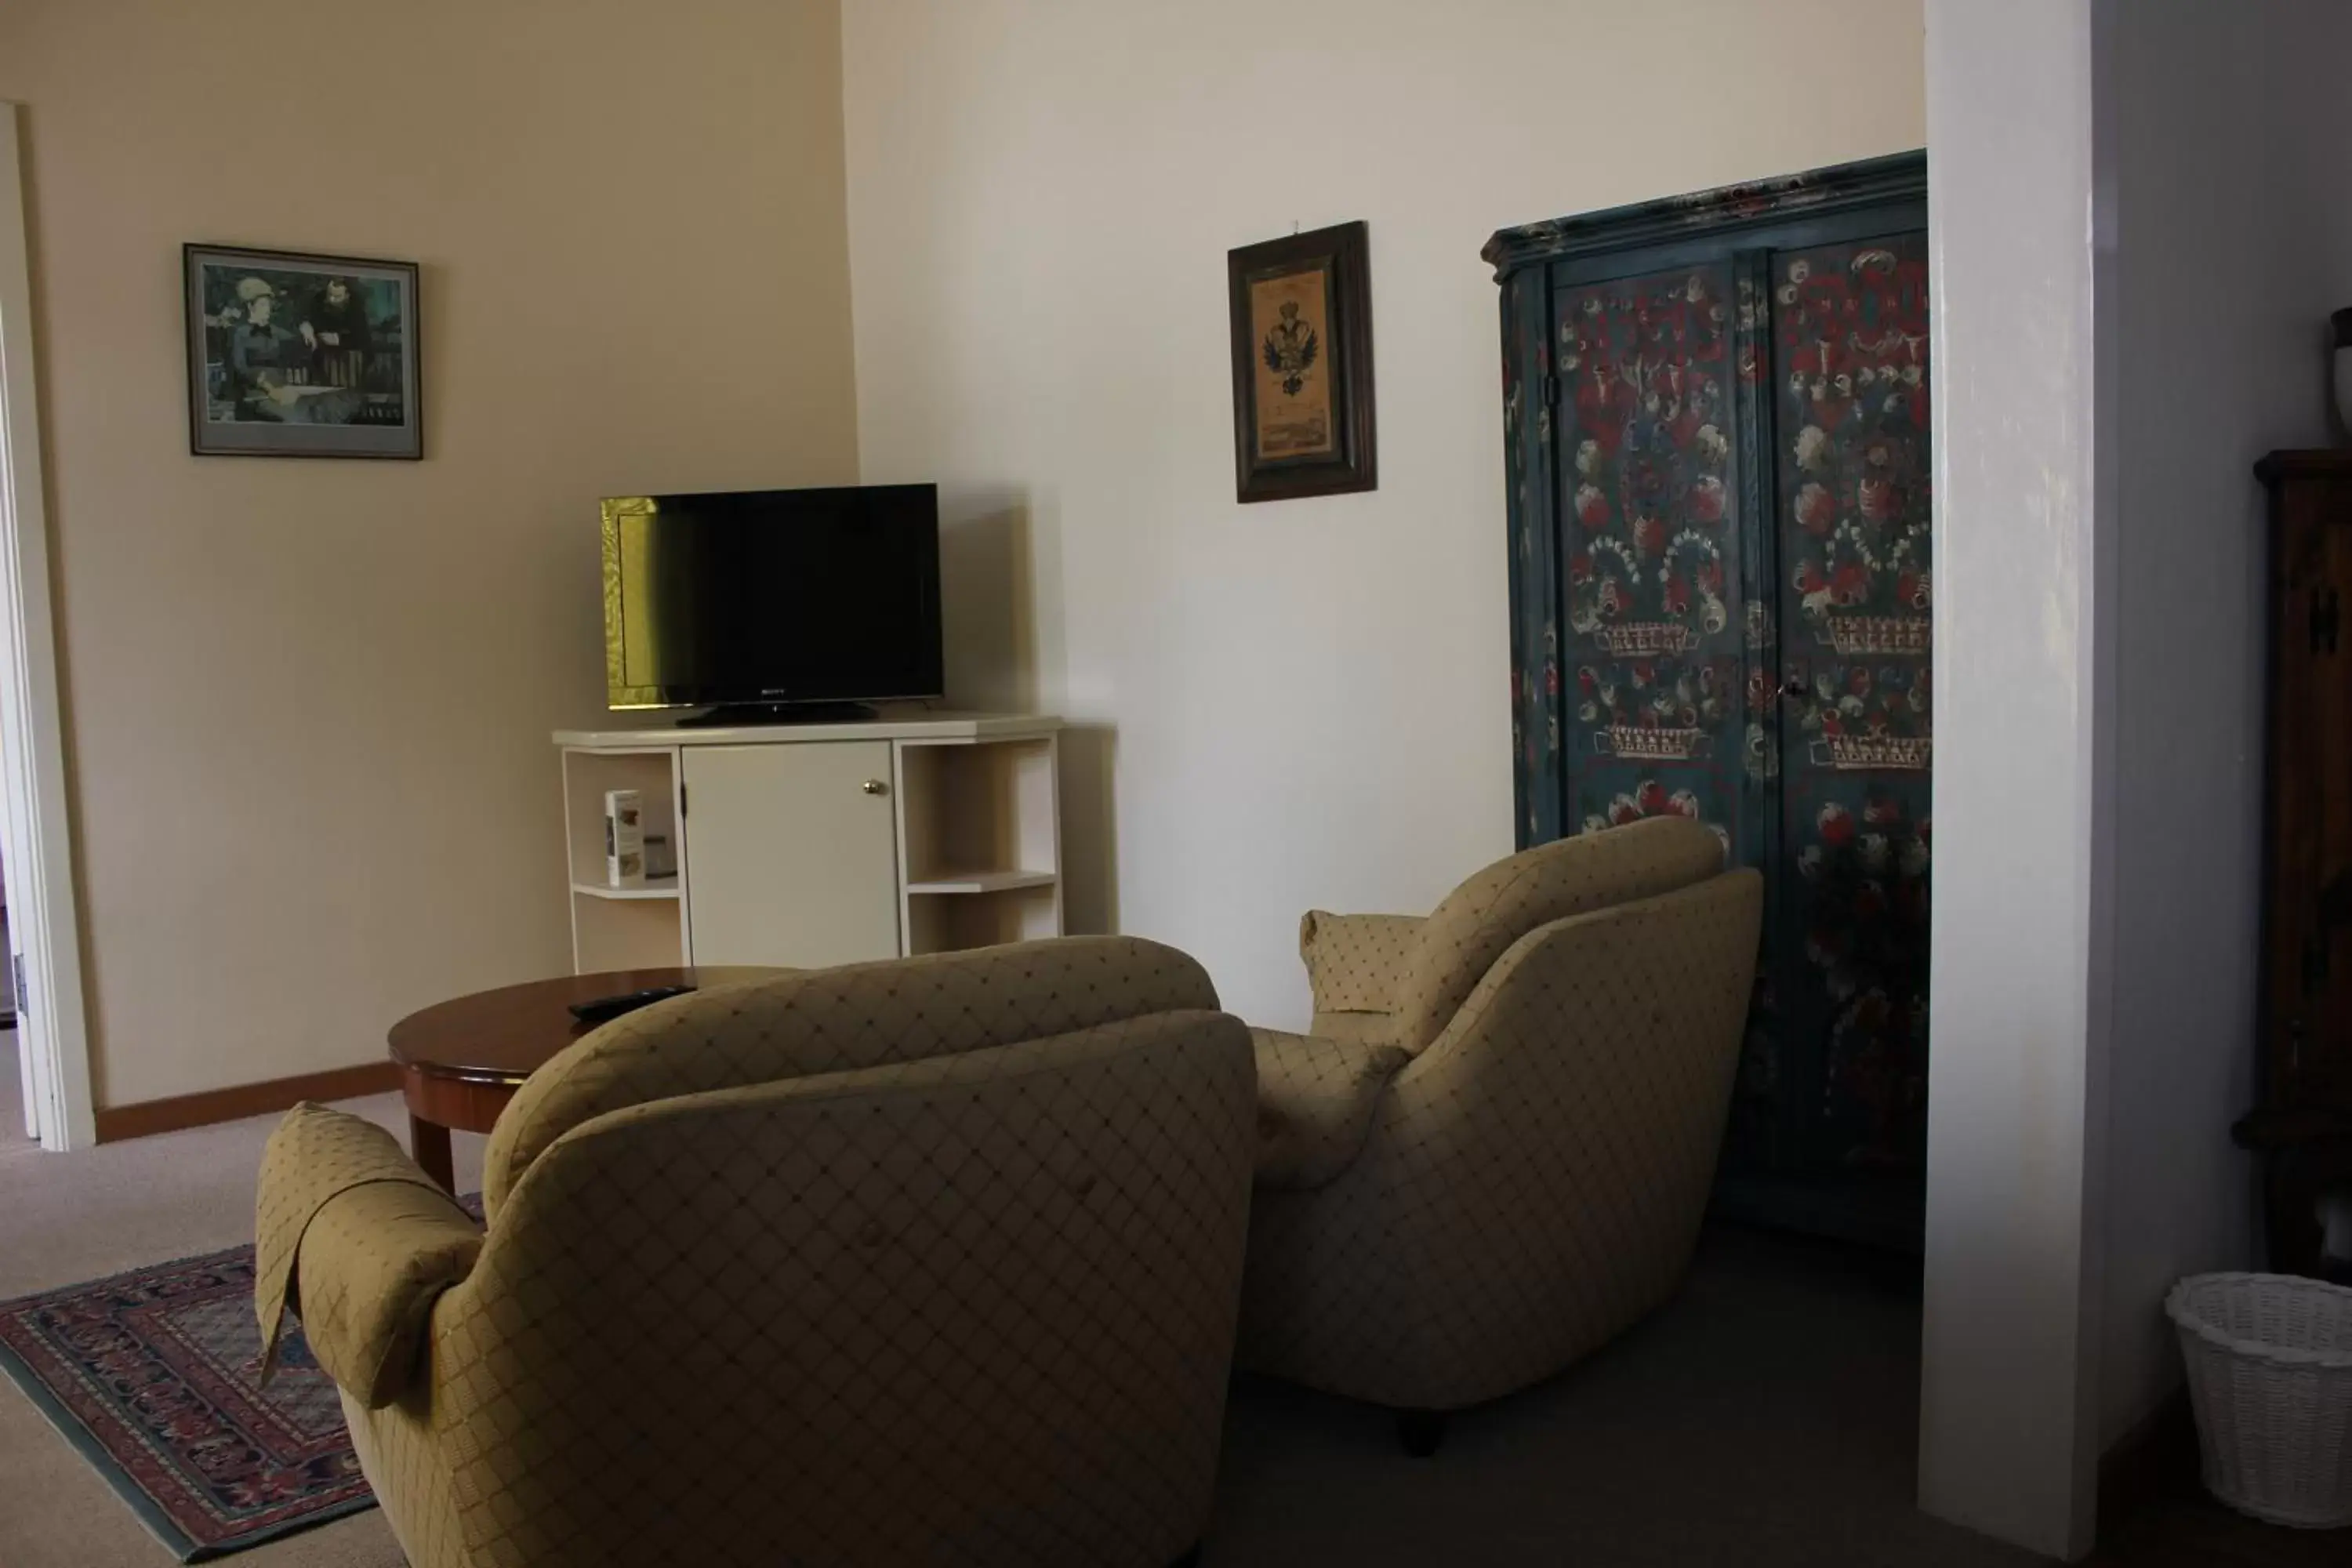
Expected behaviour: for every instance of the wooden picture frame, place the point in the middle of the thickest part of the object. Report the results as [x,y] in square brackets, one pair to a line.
[1302,345]
[292,355]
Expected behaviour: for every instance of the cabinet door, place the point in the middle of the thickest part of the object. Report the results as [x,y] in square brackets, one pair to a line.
[790,857]
[1653,656]
[2308,994]
[1856,726]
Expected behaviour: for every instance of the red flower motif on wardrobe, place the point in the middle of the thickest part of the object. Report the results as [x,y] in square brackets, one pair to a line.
[1706,501]
[1592,507]
[1851,340]
[1649,797]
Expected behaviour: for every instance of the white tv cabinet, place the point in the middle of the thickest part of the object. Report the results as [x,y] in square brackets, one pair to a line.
[806,845]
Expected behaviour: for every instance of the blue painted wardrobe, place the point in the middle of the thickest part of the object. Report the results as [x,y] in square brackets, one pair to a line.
[1716,423]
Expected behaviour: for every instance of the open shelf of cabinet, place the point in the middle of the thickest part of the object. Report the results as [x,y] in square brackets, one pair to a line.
[621,928]
[983,881]
[979,842]
[949,922]
[626,933]
[661,888]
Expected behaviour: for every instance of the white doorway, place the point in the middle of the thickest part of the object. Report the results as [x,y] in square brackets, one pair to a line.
[44,930]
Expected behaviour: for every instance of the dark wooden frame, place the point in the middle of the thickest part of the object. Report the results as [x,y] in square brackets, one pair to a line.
[1818,193]
[411,350]
[1344,252]
[2302,1128]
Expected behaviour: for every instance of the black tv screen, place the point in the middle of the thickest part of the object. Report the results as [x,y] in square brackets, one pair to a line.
[772,596]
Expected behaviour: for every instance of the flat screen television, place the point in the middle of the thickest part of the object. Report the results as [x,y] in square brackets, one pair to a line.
[773,602]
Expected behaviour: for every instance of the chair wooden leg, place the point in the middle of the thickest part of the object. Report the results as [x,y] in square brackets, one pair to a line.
[1419,1432]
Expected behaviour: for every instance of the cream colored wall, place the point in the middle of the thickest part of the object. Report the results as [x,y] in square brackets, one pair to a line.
[309,702]
[1301,702]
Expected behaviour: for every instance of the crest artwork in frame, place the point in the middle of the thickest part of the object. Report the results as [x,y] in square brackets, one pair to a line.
[294,355]
[1302,327]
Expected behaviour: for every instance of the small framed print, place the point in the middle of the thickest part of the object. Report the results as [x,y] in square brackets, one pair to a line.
[1302,327]
[294,355]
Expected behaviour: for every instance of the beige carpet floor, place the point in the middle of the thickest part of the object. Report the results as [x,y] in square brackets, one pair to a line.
[1766,1417]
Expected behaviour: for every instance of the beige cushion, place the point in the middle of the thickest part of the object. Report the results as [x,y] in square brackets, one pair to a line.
[373,1262]
[1315,1097]
[1459,942]
[330,1185]
[1362,1028]
[1353,960]
[837,1020]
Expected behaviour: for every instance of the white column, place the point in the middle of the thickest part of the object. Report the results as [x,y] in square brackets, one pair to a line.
[2007,1427]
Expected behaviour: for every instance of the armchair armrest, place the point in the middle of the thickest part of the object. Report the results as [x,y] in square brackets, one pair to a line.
[1354,962]
[358,1243]
[1316,1100]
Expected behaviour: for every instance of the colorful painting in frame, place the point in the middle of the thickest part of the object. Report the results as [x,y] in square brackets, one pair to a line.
[1302,344]
[294,355]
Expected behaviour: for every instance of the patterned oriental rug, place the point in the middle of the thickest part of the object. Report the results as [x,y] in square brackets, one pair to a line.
[149,1375]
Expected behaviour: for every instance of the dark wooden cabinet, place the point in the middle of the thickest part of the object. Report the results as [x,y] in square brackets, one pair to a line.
[1717,423]
[2304,1125]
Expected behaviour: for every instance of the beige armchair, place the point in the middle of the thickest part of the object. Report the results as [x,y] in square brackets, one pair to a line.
[921,1261]
[1492,1151]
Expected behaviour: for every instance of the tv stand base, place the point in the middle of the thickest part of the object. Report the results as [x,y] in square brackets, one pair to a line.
[730,714]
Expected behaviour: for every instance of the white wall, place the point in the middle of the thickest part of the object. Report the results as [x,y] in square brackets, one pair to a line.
[2229,163]
[308,702]
[1305,701]
[2009,1349]
[2139,233]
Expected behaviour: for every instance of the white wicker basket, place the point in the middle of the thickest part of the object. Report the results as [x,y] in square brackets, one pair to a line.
[2269,1372]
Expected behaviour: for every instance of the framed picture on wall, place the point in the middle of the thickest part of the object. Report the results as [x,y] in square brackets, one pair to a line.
[294,355]
[1302,327]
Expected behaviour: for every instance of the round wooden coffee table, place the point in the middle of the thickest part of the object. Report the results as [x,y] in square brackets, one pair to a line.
[460,1061]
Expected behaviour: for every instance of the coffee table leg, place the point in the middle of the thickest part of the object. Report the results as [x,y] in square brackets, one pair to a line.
[428,1142]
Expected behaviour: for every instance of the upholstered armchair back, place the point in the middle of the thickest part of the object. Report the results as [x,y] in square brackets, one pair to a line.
[838,1020]
[920,1261]
[1450,951]
[977,1307]
[1533,1180]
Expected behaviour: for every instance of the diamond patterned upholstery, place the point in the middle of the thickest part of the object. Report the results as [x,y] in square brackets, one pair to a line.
[1459,942]
[1316,1099]
[1532,1181]
[349,1178]
[831,1020]
[955,1283]
[1361,1028]
[1353,960]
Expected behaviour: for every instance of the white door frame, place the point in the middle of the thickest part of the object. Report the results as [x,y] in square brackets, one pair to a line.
[44,924]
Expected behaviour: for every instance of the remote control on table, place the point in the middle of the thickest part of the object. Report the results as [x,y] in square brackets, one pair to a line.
[604,1009]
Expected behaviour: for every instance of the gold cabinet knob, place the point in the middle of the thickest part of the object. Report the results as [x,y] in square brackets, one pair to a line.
[875,786]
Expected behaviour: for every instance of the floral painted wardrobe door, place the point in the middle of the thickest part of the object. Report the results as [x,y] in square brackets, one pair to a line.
[1857,723]
[1651,652]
